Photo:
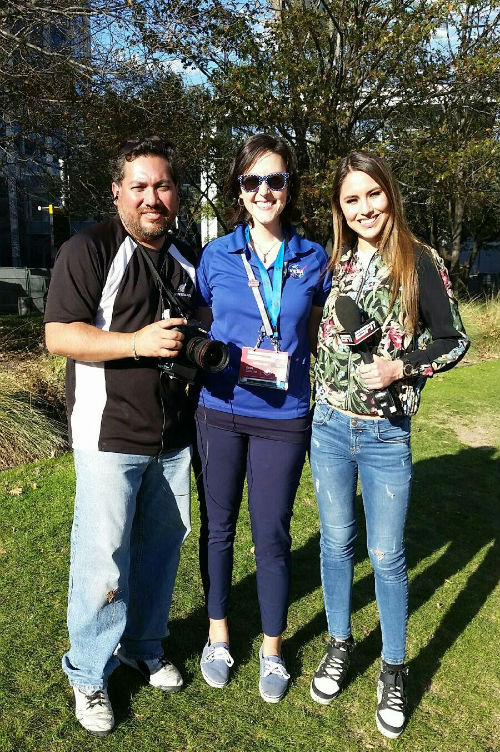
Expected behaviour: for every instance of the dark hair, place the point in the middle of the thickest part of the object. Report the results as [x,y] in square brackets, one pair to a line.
[248,153]
[143,146]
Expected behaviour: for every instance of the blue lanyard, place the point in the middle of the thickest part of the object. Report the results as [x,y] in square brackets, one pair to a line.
[272,293]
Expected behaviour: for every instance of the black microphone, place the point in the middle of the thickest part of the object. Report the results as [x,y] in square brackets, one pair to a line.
[357,335]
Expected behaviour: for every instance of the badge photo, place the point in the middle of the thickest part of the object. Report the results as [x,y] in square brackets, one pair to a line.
[264,368]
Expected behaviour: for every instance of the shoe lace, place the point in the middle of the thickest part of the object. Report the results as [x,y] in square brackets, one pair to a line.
[96,698]
[333,666]
[220,653]
[271,667]
[162,662]
[395,694]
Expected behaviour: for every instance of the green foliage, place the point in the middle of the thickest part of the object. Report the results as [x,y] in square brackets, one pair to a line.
[447,151]
[325,76]
[417,82]
[453,621]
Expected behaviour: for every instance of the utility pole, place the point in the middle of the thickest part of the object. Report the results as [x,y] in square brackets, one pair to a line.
[50,209]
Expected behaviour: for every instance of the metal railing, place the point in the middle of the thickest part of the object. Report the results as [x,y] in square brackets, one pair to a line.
[23,290]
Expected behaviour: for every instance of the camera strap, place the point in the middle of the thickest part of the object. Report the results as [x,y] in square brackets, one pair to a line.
[175,303]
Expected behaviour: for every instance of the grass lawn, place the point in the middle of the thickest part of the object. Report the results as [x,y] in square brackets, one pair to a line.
[453,621]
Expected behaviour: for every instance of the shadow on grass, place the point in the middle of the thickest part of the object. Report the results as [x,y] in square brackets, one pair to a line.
[454,506]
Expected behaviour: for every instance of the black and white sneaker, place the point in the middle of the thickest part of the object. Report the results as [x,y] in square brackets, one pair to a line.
[327,682]
[392,702]
[158,672]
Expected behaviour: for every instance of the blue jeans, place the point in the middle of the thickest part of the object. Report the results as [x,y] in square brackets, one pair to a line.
[380,451]
[132,514]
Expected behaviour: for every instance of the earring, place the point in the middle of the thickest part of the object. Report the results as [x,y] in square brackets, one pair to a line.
[288,199]
[241,202]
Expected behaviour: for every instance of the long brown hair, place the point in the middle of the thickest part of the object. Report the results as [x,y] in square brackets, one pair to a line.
[397,244]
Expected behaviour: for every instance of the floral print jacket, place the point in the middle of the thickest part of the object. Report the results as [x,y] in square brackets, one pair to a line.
[438,343]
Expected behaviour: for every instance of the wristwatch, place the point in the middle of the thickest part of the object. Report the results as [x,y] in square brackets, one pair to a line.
[407,369]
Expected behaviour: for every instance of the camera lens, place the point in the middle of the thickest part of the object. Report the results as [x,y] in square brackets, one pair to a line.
[208,354]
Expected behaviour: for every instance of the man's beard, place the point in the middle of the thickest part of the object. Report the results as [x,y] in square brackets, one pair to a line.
[132,223]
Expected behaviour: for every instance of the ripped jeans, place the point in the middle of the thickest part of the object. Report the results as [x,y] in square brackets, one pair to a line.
[379,450]
[132,513]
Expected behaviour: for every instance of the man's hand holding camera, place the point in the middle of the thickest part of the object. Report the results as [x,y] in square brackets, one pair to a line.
[160,339]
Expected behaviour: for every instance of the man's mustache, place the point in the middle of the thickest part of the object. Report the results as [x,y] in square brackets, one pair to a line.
[158,210]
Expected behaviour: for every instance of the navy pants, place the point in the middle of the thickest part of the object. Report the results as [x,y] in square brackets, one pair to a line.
[271,454]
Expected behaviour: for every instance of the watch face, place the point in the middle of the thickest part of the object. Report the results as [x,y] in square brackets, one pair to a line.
[407,369]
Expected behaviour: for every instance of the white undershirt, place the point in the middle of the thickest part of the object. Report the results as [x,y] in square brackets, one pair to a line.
[364,258]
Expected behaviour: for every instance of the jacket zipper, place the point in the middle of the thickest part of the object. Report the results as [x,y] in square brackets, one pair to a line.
[349,359]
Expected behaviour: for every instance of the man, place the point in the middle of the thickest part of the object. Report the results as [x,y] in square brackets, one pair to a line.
[108,313]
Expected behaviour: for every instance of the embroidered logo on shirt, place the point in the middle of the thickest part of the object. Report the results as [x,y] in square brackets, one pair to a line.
[297,271]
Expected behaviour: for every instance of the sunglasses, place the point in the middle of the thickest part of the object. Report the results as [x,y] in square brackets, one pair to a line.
[276,181]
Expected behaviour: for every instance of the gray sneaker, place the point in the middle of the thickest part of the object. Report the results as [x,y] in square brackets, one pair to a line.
[215,663]
[94,711]
[274,677]
[158,672]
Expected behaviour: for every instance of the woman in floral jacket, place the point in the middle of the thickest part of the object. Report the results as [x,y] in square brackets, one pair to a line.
[362,417]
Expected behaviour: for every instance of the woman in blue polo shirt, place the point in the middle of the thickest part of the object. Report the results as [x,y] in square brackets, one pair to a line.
[263,287]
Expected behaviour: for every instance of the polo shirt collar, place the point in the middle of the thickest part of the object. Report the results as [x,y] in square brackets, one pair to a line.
[236,240]
[296,245]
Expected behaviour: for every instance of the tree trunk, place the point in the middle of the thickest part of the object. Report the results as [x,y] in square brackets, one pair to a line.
[433,235]
[13,218]
[457,210]
[465,269]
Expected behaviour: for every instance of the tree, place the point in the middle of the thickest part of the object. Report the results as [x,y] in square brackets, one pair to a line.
[75,82]
[326,76]
[448,149]
[416,80]
[46,70]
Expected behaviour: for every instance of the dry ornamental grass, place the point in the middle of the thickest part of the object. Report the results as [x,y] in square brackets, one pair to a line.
[32,422]
[482,323]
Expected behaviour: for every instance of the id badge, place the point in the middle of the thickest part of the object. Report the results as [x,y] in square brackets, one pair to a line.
[264,368]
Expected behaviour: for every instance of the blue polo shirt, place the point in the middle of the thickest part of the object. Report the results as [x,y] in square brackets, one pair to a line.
[222,284]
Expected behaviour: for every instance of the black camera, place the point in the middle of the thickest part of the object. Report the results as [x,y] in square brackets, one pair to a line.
[198,351]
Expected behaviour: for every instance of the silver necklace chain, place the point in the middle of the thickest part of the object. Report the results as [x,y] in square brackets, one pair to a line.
[266,253]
